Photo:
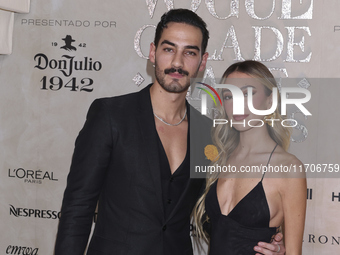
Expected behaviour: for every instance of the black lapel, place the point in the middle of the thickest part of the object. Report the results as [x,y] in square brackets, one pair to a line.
[191,191]
[150,143]
[199,130]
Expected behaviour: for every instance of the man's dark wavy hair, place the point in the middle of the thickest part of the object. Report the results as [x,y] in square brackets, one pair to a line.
[182,16]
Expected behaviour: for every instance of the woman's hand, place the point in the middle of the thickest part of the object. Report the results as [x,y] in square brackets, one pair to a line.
[276,247]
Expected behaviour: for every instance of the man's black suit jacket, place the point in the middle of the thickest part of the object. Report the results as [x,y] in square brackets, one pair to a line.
[116,160]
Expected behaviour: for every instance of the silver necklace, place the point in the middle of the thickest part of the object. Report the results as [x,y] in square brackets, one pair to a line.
[169,124]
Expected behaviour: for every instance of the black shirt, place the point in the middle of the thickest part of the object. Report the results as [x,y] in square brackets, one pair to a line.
[173,185]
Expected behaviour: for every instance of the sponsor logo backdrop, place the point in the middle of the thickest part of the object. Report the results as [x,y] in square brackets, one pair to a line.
[66,54]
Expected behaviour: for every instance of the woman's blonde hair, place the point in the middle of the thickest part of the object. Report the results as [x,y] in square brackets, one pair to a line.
[226,138]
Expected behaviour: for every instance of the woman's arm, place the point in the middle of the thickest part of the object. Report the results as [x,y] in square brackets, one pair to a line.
[293,192]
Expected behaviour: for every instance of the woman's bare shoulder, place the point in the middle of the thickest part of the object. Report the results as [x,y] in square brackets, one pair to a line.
[286,165]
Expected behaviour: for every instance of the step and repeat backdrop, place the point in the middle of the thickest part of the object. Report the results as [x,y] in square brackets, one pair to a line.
[65,54]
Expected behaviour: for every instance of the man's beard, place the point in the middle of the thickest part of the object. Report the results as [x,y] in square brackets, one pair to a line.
[174,86]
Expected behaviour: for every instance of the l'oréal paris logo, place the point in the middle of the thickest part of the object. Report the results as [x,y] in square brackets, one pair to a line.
[31,176]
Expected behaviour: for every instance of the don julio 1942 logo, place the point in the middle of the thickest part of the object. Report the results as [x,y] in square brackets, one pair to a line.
[69,66]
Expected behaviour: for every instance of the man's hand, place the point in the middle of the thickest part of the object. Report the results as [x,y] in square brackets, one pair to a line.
[276,247]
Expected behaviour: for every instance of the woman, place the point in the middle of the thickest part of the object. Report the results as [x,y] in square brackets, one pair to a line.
[243,208]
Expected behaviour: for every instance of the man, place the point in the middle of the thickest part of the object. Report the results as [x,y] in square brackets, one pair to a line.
[133,156]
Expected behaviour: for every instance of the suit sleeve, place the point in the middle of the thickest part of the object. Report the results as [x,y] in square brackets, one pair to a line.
[91,157]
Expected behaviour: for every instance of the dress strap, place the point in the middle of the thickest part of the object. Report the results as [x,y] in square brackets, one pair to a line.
[269,160]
